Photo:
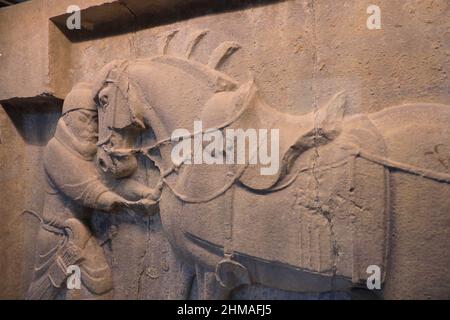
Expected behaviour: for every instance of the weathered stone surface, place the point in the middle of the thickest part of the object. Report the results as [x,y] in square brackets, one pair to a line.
[334,88]
[29,44]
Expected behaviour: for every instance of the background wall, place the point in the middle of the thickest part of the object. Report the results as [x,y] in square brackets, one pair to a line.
[300,53]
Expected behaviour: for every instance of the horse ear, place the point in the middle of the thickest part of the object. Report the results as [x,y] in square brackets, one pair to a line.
[102,75]
[136,103]
[333,112]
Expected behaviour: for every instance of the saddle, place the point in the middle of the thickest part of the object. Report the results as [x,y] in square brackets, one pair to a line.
[289,137]
[297,134]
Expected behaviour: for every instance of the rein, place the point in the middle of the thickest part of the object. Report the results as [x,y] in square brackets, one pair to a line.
[169,140]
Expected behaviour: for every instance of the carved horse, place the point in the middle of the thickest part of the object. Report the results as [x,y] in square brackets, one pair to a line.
[351,191]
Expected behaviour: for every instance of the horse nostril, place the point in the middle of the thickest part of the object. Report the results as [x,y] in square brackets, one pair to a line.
[102,165]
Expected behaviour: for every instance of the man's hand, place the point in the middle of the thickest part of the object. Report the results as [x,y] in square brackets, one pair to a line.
[109,202]
[145,206]
[154,193]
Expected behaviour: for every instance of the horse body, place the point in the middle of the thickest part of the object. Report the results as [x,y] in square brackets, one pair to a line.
[303,237]
[314,226]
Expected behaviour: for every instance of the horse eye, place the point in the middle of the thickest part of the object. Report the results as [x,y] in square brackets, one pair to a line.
[103,101]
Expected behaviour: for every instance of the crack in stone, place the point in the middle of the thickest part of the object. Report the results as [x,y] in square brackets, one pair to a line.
[317,137]
[142,259]
[129,9]
[147,242]
[133,34]
[112,258]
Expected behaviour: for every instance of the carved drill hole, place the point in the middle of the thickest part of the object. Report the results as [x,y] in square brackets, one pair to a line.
[102,165]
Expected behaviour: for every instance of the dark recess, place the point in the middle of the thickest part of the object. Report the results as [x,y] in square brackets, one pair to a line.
[34,118]
[133,15]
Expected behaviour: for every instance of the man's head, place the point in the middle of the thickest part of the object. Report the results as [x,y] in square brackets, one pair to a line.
[80,113]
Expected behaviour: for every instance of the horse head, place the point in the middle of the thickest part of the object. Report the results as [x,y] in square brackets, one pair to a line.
[118,122]
[161,94]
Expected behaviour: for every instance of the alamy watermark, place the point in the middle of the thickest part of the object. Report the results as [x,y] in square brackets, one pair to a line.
[374,20]
[374,280]
[232,146]
[73,22]
[74,277]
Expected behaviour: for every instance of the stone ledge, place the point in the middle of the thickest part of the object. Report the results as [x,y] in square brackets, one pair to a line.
[123,16]
[25,53]
[33,54]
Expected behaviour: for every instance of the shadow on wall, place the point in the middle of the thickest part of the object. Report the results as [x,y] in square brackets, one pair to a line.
[34,118]
[120,17]
[26,125]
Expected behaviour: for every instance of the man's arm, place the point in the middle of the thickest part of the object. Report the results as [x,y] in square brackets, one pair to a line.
[78,179]
[134,190]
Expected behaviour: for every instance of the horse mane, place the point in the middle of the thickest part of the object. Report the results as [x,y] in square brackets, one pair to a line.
[222,53]
[182,59]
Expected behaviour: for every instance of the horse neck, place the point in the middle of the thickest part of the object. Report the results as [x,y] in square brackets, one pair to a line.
[163,124]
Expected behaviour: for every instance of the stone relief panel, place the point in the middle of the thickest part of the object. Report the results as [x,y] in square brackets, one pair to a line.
[314,225]
[201,160]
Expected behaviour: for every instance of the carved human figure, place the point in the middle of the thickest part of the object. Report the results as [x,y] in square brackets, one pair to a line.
[74,189]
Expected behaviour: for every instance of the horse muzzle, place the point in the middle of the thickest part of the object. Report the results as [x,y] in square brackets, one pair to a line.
[116,164]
